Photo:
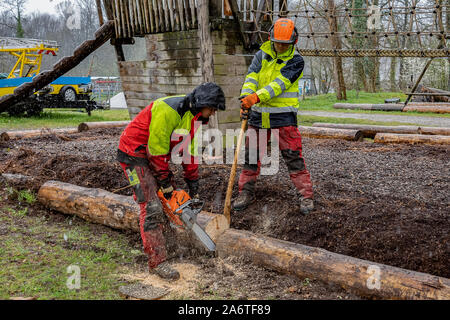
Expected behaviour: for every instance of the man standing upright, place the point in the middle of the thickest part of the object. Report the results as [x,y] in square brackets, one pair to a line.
[270,99]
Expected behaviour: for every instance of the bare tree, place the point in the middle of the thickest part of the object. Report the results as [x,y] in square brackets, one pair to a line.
[16,9]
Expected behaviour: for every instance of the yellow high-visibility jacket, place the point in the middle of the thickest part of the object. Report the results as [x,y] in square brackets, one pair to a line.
[274,78]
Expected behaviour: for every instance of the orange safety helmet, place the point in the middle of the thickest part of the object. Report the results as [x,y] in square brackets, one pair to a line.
[284,31]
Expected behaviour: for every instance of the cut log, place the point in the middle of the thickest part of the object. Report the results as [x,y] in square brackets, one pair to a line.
[363,277]
[85,126]
[411,138]
[367,106]
[430,94]
[113,210]
[370,131]
[435,131]
[9,135]
[329,133]
[424,108]
[17,180]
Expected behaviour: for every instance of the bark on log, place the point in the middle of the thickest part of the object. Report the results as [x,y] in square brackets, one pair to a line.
[370,131]
[358,275]
[411,138]
[17,180]
[368,106]
[85,126]
[9,135]
[442,131]
[113,210]
[433,94]
[329,133]
[434,109]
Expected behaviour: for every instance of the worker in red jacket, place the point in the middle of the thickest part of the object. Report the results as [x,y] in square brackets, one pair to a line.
[145,151]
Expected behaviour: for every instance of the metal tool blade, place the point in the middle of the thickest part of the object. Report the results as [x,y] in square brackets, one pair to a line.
[203,237]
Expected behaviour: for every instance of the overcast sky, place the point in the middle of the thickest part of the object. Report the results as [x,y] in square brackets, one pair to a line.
[42,6]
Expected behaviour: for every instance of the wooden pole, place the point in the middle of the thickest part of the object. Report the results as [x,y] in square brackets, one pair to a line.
[418,80]
[227,208]
[369,131]
[329,133]
[85,126]
[100,12]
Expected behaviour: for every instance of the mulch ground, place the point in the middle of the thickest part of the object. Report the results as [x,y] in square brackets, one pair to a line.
[384,203]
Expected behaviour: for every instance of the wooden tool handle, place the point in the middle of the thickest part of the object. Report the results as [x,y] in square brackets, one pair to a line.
[227,209]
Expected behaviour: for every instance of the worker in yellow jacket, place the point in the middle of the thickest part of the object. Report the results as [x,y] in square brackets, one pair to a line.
[270,100]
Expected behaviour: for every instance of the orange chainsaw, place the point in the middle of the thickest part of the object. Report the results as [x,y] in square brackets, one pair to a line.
[182,212]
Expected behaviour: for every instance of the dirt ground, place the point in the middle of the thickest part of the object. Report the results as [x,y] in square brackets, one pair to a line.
[383,203]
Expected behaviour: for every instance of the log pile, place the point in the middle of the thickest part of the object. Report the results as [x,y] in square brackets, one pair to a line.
[329,133]
[364,277]
[411,138]
[431,94]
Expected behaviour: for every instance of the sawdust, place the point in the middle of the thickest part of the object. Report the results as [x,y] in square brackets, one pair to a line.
[182,288]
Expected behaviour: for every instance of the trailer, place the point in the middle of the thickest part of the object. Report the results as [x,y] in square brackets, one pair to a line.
[64,92]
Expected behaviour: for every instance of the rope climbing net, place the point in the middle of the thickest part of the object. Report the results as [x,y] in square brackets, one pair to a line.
[359,28]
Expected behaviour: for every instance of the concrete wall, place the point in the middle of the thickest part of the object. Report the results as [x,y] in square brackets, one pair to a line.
[172,67]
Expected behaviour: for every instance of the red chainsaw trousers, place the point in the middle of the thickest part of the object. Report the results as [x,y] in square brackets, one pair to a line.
[290,143]
[151,217]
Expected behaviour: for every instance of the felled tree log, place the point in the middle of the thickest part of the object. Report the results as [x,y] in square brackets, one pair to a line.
[361,276]
[85,126]
[433,94]
[411,138]
[368,106]
[435,131]
[329,133]
[369,131]
[113,210]
[22,134]
[17,180]
[429,108]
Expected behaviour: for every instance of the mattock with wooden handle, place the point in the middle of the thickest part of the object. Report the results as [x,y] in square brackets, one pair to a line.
[227,208]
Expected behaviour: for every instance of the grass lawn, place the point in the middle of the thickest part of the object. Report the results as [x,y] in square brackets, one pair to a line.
[325,102]
[60,118]
[36,251]
[55,118]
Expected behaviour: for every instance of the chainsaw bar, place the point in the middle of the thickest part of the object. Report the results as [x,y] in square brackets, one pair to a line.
[189,217]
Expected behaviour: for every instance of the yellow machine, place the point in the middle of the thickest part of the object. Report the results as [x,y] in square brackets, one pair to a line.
[65,92]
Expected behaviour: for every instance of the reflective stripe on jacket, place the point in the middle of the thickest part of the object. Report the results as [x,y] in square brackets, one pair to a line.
[274,78]
[157,129]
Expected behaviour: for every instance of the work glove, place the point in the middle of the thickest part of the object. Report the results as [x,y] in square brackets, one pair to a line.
[193,187]
[249,101]
[166,188]
[245,113]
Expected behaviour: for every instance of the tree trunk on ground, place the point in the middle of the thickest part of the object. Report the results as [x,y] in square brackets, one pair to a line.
[369,131]
[328,133]
[85,126]
[411,138]
[364,277]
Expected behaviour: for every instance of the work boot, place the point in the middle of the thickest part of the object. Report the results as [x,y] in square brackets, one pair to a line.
[244,199]
[306,206]
[165,271]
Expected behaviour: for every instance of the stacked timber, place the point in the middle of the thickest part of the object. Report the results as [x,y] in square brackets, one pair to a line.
[411,138]
[330,133]
[364,277]
[369,131]
[427,94]
[85,126]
